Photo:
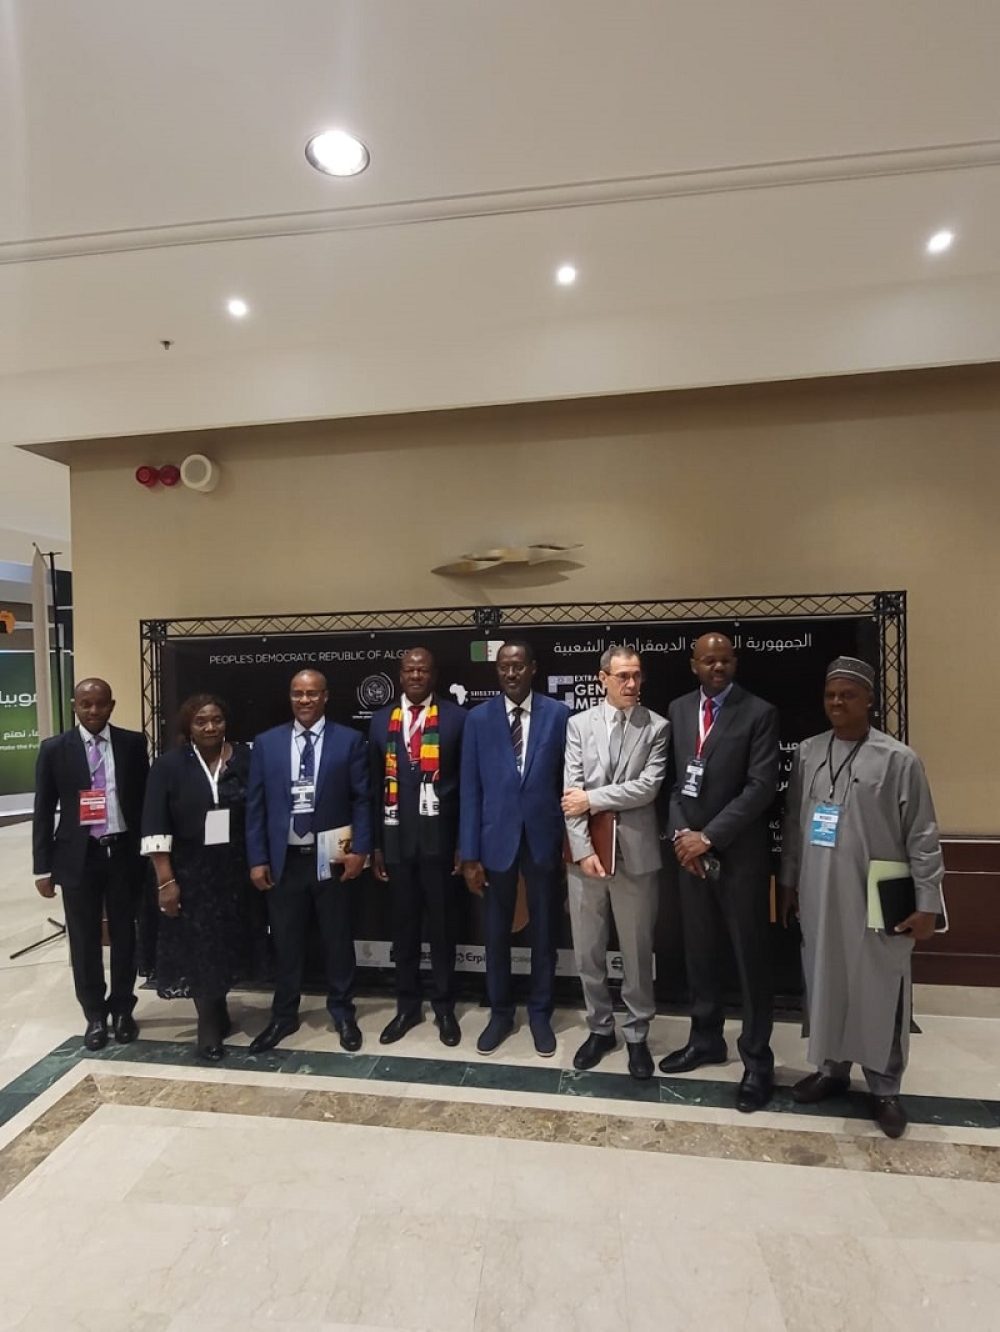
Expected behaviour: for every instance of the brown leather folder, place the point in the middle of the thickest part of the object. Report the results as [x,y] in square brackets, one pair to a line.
[601,826]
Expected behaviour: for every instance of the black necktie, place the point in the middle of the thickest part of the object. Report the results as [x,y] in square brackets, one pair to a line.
[303,823]
[517,736]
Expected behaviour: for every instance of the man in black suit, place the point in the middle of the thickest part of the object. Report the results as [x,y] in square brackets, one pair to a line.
[725,759]
[416,746]
[96,775]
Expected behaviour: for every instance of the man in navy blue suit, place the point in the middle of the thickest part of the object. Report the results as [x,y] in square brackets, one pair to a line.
[416,747]
[511,824]
[308,779]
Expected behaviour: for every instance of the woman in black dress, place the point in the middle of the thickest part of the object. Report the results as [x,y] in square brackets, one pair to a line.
[193,830]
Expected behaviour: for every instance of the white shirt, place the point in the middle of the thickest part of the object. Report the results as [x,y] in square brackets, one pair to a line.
[525,721]
[421,718]
[297,750]
[116,823]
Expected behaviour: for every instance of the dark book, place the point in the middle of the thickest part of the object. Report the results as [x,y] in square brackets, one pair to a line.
[899,900]
[602,827]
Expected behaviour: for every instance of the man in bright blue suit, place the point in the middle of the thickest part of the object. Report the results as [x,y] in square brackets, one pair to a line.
[308,777]
[510,824]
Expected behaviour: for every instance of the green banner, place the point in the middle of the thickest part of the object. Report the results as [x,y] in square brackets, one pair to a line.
[19,721]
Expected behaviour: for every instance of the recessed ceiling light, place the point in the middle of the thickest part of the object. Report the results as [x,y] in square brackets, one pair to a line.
[566,275]
[337,153]
[940,241]
[237,308]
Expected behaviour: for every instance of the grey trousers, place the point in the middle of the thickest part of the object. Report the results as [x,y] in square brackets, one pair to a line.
[879,1083]
[634,900]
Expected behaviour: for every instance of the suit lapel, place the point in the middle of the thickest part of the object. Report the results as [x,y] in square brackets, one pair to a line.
[599,722]
[326,760]
[538,725]
[637,723]
[722,722]
[76,753]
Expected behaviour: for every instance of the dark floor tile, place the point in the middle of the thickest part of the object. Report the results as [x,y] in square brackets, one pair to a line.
[614,1086]
[399,1068]
[512,1077]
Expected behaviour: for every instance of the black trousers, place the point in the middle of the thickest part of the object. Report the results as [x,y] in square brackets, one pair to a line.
[111,883]
[542,884]
[737,907]
[290,904]
[423,906]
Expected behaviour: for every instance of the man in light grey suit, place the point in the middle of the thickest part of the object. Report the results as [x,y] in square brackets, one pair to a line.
[616,758]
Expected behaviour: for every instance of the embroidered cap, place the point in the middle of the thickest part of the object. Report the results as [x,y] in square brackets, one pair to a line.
[853,668]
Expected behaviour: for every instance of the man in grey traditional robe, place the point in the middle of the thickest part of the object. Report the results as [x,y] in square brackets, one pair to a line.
[857,795]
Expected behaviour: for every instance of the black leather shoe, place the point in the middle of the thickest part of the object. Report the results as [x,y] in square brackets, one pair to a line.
[692,1057]
[756,1090]
[640,1061]
[593,1050]
[399,1026]
[350,1034]
[544,1037]
[447,1025]
[889,1115]
[126,1028]
[819,1087]
[96,1035]
[494,1034]
[272,1034]
[213,1053]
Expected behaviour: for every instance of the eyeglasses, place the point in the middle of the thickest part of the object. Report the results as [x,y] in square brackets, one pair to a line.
[306,695]
[626,677]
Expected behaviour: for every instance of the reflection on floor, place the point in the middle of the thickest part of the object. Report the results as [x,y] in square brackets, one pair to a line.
[426,1188]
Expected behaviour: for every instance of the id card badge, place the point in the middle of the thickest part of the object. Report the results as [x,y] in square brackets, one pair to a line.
[430,805]
[93,808]
[824,825]
[693,774]
[217,827]
[303,796]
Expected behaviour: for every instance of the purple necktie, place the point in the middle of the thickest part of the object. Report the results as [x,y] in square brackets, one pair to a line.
[98,782]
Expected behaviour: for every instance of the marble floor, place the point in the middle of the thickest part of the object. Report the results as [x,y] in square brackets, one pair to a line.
[426,1188]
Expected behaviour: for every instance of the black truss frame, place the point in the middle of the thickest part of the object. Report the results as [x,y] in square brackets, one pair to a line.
[886,609]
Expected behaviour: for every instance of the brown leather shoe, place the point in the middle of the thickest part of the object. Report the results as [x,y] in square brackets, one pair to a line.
[819,1087]
[889,1115]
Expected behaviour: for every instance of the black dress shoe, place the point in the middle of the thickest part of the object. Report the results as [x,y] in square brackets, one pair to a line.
[399,1026]
[889,1115]
[447,1025]
[640,1061]
[593,1050]
[350,1034]
[819,1087]
[213,1053]
[692,1057]
[96,1035]
[756,1089]
[272,1034]
[126,1028]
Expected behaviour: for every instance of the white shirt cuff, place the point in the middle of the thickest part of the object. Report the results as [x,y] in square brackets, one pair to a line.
[151,845]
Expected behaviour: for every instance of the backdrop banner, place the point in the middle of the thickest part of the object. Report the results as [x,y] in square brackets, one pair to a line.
[782,659]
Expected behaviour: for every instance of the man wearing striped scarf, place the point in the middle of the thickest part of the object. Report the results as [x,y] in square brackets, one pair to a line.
[416,744]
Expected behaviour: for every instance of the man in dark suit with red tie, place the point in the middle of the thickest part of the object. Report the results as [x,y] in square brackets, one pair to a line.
[416,747]
[511,824]
[95,774]
[725,762]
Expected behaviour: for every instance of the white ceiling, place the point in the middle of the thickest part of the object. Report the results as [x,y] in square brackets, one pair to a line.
[746,190]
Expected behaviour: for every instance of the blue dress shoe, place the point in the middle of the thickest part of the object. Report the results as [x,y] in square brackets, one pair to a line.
[495,1033]
[544,1037]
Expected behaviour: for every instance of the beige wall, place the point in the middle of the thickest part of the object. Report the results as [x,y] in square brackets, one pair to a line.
[862,484]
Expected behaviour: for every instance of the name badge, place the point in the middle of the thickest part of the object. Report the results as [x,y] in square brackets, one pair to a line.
[430,805]
[303,796]
[824,825]
[693,775]
[93,808]
[217,827]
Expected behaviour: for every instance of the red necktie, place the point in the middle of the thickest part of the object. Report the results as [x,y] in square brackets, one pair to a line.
[416,734]
[706,725]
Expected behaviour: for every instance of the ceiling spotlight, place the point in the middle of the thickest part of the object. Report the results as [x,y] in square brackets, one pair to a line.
[237,308]
[337,153]
[940,241]
[566,275]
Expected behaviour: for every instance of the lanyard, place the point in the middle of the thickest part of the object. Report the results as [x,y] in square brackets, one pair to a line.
[213,777]
[847,763]
[703,734]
